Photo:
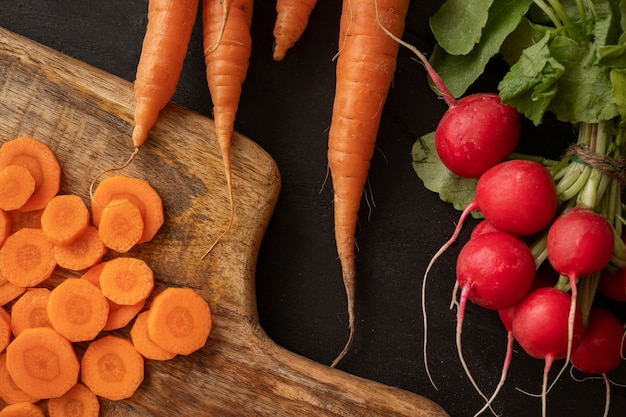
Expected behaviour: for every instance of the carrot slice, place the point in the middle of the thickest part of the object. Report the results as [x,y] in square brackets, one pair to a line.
[9,292]
[112,368]
[23,409]
[179,320]
[143,343]
[140,192]
[30,310]
[65,218]
[5,328]
[79,401]
[121,225]
[42,164]
[16,186]
[119,315]
[6,225]
[9,392]
[77,310]
[27,258]
[42,362]
[84,252]
[126,280]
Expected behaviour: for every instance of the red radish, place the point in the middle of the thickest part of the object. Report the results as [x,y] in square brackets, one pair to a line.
[612,284]
[495,271]
[497,268]
[544,277]
[580,242]
[517,197]
[600,349]
[485,226]
[541,326]
[476,133]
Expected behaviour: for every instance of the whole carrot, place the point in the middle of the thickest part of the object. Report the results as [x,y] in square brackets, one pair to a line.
[292,18]
[227,49]
[164,48]
[365,67]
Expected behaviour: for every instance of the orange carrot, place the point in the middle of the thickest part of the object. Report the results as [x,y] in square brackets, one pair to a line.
[121,225]
[65,218]
[365,68]
[112,368]
[27,258]
[140,192]
[227,49]
[161,61]
[42,164]
[5,328]
[24,409]
[126,280]
[82,253]
[6,225]
[9,392]
[79,401]
[77,310]
[119,315]
[292,18]
[17,185]
[142,342]
[30,310]
[42,362]
[179,320]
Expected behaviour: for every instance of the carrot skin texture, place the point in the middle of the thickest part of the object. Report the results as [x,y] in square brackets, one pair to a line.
[292,18]
[163,52]
[227,60]
[365,67]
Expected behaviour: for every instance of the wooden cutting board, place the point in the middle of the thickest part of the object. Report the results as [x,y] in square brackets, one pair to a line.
[85,116]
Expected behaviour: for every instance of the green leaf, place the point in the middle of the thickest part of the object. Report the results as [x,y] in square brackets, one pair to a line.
[458,24]
[460,71]
[439,179]
[618,80]
[585,91]
[531,83]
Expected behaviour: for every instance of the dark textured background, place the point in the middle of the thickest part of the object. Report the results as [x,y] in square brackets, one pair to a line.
[286,109]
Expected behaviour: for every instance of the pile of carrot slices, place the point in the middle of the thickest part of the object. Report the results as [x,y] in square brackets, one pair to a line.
[41,322]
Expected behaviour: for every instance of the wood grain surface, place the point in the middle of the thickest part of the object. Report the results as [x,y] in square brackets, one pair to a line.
[85,116]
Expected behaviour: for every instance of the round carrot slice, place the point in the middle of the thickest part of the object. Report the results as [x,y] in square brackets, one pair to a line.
[142,342]
[112,368]
[121,225]
[77,310]
[16,186]
[27,258]
[42,362]
[30,310]
[126,280]
[77,402]
[140,192]
[42,164]
[9,392]
[83,252]
[179,320]
[22,410]
[65,218]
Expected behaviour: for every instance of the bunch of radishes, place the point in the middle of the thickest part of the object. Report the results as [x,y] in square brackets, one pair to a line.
[569,215]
